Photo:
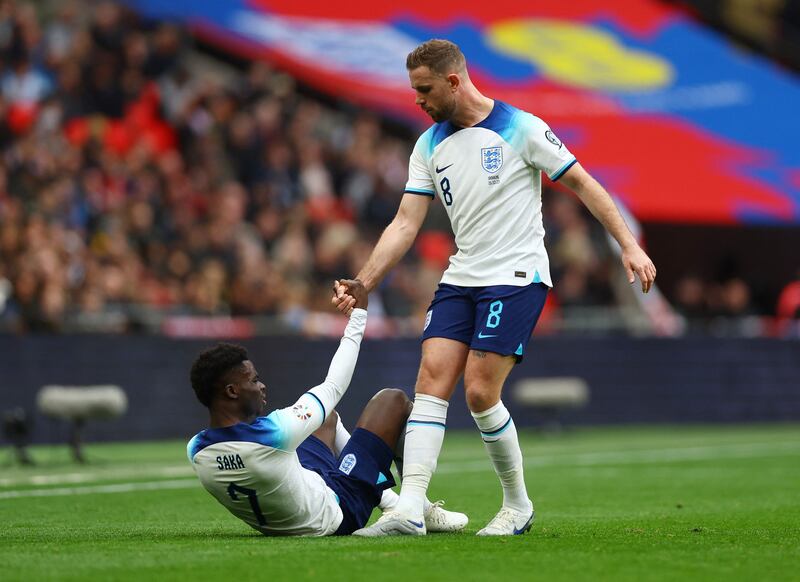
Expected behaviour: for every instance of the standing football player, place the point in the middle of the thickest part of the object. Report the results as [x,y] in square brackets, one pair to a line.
[484,160]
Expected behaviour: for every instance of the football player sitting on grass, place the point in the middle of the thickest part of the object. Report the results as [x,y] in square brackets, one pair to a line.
[297,471]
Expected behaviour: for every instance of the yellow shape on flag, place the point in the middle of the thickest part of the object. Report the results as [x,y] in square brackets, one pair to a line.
[581,55]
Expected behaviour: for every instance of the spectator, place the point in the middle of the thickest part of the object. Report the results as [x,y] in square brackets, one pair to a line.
[788,310]
[132,181]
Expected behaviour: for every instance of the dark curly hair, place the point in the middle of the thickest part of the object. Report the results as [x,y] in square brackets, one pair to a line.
[211,365]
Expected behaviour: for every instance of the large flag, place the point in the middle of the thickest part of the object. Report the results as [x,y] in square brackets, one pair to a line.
[677,122]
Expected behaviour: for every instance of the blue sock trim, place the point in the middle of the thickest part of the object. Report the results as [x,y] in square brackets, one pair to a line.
[428,423]
[499,430]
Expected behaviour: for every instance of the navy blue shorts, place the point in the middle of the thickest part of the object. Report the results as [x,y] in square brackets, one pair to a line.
[358,476]
[497,319]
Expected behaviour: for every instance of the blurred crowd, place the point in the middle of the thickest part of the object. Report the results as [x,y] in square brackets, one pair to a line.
[769,26]
[719,307]
[132,183]
[726,307]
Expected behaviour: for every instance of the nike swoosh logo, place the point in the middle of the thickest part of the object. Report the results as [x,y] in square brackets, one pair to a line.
[481,336]
[438,171]
[418,524]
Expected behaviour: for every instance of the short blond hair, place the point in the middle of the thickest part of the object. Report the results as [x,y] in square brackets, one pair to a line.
[439,55]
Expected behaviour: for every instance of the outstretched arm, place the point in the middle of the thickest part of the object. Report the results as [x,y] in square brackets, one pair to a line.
[309,412]
[598,201]
[395,240]
[393,244]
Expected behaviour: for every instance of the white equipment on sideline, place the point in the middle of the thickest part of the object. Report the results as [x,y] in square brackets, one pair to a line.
[550,395]
[78,404]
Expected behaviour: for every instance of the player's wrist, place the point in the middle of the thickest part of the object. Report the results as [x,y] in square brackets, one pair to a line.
[369,282]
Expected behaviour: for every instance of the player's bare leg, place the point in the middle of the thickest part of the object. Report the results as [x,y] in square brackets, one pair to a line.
[327,432]
[386,415]
[485,374]
[442,365]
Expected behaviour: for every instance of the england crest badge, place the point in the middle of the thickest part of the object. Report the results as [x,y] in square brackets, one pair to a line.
[492,159]
[347,463]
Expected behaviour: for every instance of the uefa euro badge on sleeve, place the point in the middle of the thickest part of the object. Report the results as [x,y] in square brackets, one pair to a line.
[301,411]
[492,159]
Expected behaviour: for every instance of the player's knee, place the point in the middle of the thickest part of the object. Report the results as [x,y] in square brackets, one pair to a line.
[393,397]
[478,375]
[434,382]
[479,398]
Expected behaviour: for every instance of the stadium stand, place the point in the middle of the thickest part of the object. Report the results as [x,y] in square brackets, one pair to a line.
[771,27]
[149,183]
[137,185]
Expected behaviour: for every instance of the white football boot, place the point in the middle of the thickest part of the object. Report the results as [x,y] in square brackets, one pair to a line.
[508,522]
[440,520]
[392,523]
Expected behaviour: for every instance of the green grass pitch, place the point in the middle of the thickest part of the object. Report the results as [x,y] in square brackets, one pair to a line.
[667,503]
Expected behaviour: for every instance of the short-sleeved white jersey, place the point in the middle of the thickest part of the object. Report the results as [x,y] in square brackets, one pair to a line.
[489,179]
[253,469]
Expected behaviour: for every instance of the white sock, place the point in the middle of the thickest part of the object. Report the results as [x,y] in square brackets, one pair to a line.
[424,436]
[389,498]
[500,437]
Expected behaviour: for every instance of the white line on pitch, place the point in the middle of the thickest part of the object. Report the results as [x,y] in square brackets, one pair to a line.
[719,452]
[639,457]
[94,474]
[97,489]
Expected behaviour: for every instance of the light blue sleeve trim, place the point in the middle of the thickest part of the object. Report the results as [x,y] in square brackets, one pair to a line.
[563,169]
[419,192]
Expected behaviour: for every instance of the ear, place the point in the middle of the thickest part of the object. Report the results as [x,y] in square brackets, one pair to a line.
[231,391]
[454,80]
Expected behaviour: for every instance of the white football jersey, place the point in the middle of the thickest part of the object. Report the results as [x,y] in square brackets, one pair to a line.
[489,179]
[253,469]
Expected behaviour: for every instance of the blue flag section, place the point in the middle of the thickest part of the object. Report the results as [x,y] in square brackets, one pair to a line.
[677,122]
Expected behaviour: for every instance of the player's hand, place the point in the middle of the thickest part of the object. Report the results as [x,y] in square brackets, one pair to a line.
[636,262]
[355,289]
[349,294]
[341,299]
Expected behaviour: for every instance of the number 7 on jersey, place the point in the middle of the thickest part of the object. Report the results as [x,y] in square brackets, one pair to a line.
[233,488]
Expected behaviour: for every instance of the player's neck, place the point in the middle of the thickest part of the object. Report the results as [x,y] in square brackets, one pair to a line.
[224,418]
[473,109]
